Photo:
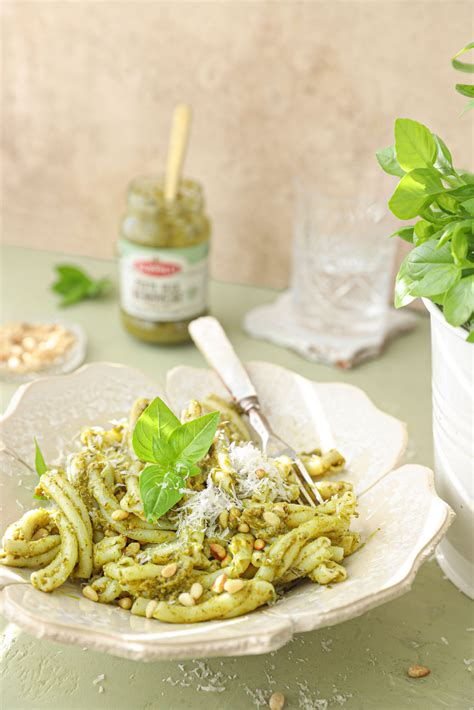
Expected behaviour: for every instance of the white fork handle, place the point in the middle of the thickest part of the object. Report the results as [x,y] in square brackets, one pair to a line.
[211,340]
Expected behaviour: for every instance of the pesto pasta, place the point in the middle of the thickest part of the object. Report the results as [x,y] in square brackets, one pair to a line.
[237,538]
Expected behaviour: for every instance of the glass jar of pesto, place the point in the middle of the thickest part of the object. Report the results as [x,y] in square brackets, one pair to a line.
[163,254]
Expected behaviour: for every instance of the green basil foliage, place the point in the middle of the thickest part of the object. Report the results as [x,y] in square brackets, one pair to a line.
[465,89]
[40,466]
[74,285]
[173,450]
[441,200]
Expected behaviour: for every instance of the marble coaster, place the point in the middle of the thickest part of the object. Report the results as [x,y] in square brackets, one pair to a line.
[277,323]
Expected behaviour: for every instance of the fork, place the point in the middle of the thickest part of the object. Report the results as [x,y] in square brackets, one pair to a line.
[211,340]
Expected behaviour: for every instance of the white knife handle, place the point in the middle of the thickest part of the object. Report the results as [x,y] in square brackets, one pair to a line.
[211,340]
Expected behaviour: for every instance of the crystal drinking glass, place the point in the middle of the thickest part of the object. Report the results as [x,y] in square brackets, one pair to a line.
[342,263]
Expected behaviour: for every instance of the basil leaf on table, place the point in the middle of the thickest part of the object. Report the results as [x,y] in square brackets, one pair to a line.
[75,285]
[173,450]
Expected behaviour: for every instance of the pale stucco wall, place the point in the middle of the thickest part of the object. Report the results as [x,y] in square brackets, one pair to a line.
[277,88]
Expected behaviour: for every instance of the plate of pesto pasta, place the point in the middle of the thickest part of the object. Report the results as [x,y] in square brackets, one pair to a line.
[145,520]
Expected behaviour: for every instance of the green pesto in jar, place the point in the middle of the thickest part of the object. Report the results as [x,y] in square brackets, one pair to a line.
[163,253]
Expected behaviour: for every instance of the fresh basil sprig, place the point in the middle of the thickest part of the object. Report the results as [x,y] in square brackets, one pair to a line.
[75,285]
[40,466]
[173,450]
[441,264]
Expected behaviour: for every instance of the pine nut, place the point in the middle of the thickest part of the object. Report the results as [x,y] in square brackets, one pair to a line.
[271,518]
[219,582]
[243,528]
[418,671]
[217,551]
[277,701]
[259,544]
[125,603]
[260,473]
[169,570]
[40,533]
[186,599]
[279,508]
[133,548]
[234,513]
[150,608]
[119,514]
[196,590]
[90,593]
[233,585]
[223,519]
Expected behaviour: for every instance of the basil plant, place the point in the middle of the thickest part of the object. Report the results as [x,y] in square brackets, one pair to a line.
[440,198]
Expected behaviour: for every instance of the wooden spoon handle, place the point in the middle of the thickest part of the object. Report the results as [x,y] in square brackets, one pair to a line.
[177,150]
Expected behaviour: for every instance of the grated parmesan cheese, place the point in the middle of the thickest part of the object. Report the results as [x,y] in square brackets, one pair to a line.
[202,509]
[246,459]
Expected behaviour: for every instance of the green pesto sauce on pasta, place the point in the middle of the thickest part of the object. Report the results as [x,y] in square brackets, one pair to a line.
[236,540]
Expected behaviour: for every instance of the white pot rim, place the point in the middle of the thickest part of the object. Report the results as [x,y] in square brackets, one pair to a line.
[437,313]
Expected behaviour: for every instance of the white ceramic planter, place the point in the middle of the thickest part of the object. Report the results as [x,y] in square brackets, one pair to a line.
[453,427]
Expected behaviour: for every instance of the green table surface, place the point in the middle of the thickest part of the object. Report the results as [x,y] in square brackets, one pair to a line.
[359,664]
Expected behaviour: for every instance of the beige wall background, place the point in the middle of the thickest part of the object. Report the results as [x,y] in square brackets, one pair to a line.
[278,89]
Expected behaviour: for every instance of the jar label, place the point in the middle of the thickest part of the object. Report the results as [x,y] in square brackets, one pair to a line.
[163,284]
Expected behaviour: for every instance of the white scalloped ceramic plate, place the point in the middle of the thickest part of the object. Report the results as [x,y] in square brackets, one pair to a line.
[401,517]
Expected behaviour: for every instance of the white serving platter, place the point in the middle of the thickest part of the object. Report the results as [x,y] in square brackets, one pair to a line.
[402,519]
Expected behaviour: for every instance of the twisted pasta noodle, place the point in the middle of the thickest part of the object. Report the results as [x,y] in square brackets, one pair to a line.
[78,476]
[328,489]
[254,593]
[286,549]
[132,527]
[107,589]
[348,541]
[147,579]
[310,557]
[328,572]
[223,473]
[162,554]
[241,549]
[131,502]
[237,426]
[32,561]
[171,551]
[61,567]
[68,500]
[193,410]
[109,549]
[17,540]
[318,464]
